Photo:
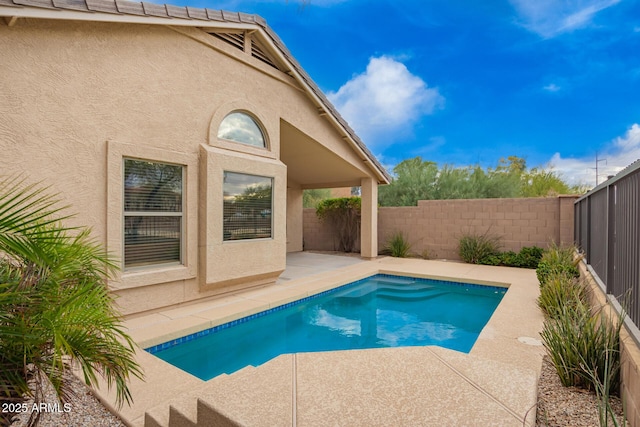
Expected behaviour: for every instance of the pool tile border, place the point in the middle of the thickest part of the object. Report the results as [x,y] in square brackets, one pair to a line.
[172,343]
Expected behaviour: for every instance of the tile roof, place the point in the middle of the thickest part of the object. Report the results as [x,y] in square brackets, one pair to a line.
[197,17]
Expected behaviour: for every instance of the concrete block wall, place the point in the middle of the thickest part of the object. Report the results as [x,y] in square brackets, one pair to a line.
[629,352]
[317,235]
[630,377]
[434,227]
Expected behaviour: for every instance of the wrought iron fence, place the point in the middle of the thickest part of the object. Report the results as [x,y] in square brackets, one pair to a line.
[607,230]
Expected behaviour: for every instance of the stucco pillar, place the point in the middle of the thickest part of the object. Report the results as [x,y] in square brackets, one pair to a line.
[369,219]
[294,218]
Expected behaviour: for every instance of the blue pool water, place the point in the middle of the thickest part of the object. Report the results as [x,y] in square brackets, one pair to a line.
[379,311]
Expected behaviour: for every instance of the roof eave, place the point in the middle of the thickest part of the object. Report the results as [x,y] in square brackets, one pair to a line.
[327,110]
[93,16]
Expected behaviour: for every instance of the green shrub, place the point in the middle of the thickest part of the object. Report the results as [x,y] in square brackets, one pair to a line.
[493,259]
[557,261]
[473,248]
[343,214]
[529,257]
[509,259]
[397,246]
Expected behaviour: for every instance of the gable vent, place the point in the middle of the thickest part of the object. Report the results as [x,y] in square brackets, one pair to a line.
[258,53]
[234,39]
[237,40]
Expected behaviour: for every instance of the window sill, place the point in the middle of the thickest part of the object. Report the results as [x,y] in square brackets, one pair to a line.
[258,239]
[152,276]
[244,148]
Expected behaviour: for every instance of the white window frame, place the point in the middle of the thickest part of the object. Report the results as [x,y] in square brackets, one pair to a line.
[161,273]
[160,214]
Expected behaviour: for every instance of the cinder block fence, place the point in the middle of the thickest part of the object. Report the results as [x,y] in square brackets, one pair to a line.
[435,226]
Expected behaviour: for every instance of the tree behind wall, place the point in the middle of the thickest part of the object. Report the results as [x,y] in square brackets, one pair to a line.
[416,179]
[311,198]
[343,215]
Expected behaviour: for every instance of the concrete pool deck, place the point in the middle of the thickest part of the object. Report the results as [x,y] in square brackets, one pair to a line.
[495,384]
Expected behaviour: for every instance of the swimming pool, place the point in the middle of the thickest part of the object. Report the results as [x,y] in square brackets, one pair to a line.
[378,311]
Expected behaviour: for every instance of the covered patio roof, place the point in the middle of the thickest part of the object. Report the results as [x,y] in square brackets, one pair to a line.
[312,165]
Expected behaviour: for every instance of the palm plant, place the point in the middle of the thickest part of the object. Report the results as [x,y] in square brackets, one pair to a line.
[55,307]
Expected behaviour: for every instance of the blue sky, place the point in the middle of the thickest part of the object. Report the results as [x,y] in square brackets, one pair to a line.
[467,82]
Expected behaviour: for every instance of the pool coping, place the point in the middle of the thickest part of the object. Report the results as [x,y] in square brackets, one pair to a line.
[173,333]
[154,349]
[498,342]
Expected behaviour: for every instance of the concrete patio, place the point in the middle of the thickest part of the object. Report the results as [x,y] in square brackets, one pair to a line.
[495,384]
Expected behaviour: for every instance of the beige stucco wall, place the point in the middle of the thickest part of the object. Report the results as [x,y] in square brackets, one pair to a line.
[369,219]
[77,97]
[294,217]
[435,226]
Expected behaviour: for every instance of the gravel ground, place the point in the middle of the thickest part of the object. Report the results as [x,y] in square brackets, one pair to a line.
[85,410]
[557,406]
[567,406]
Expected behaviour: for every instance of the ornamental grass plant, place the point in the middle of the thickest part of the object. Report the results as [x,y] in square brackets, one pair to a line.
[473,248]
[557,260]
[562,292]
[583,344]
[398,245]
[485,249]
[584,348]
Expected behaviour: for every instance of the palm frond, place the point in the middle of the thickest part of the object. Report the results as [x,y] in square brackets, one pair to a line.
[55,307]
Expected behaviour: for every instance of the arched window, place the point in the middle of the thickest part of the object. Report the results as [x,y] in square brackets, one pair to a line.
[241,127]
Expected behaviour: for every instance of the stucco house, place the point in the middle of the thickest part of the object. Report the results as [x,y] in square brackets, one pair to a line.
[184,137]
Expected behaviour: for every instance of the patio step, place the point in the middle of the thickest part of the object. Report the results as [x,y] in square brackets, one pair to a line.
[189,410]
[208,416]
[181,412]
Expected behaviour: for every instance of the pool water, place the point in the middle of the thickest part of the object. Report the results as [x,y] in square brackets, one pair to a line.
[379,311]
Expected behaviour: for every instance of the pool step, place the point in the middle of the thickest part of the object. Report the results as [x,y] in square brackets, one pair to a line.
[383,284]
[418,295]
[402,281]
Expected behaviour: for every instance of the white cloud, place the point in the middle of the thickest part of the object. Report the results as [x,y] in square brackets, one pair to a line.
[619,153]
[552,87]
[549,18]
[384,101]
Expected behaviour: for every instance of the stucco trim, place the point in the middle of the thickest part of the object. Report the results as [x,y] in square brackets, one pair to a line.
[116,151]
[270,132]
[226,262]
